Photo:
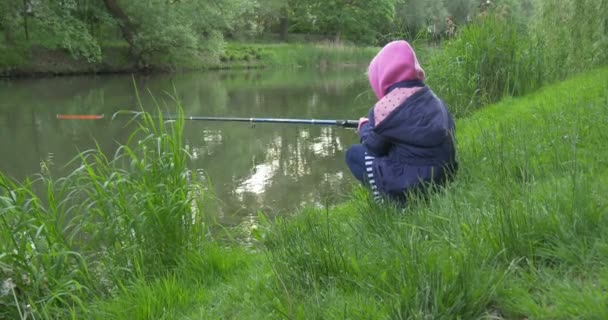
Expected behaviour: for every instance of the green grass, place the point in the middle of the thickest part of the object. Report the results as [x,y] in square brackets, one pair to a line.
[495,57]
[30,60]
[12,57]
[521,233]
[324,55]
[489,59]
[110,221]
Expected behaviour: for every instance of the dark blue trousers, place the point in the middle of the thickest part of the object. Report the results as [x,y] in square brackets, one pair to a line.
[355,160]
[360,164]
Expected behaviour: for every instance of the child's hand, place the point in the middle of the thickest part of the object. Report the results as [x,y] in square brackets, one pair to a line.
[362,121]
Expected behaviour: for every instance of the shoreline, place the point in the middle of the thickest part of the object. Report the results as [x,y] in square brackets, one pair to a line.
[37,62]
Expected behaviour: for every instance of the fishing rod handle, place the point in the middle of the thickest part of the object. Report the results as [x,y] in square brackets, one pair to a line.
[348,123]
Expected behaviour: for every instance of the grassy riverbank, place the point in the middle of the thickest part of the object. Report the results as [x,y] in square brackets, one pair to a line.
[116,58]
[521,233]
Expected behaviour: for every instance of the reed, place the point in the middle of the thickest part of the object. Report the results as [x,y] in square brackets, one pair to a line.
[497,57]
[132,216]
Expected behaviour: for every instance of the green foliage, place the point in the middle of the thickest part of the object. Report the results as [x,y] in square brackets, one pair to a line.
[54,25]
[520,234]
[461,10]
[497,56]
[573,35]
[414,16]
[169,33]
[359,21]
[174,34]
[164,34]
[323,55]
[12,58]
[136,215]
[10,11]
[38,268]
[366,22]
[154,212]
[61,29]
[242,53]
[487,61]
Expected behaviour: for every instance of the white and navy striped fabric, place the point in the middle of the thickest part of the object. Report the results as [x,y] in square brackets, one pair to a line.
[369,161]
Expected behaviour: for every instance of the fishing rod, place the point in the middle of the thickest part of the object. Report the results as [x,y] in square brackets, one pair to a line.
[339,123]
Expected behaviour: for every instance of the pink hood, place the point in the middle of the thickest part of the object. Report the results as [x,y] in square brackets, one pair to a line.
[396,62]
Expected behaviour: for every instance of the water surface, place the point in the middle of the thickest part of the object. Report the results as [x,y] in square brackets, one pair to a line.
[274,168]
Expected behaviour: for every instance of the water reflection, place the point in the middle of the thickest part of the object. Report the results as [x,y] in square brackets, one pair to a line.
[273,168]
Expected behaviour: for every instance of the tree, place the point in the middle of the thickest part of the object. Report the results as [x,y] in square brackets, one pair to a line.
[278,15]
[461,11]
[167,33]
[276,10]
[55,24]
[414,16]
[358,20]
[8,15]
[126,26]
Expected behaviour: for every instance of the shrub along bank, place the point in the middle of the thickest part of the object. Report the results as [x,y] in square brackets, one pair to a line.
[116,58]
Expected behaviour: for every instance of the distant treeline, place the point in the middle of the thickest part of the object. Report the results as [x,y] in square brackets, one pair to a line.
[157,34]
[173,30]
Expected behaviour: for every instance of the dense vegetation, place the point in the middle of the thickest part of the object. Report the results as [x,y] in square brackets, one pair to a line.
[498,56]
[520,234]
[179,27]
[116,35]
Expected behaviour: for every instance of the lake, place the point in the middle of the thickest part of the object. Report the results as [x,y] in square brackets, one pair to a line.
[272,168]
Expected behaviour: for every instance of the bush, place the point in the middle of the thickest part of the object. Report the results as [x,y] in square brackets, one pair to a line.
[496,57]
[133,216]
[487,61]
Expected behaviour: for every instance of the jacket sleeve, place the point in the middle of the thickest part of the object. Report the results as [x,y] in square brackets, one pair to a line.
[364,131]
[376,144]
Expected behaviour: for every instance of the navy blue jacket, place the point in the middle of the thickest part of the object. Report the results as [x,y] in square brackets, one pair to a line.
[413,145]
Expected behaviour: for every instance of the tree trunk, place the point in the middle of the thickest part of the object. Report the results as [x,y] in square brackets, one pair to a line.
[6,32]
[8,36]
[283,25]
[25,22]
[127,28]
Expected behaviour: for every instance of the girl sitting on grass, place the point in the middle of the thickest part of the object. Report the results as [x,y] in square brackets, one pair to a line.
[407,139]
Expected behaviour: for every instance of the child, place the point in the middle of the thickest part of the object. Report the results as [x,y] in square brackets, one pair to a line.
[407,139]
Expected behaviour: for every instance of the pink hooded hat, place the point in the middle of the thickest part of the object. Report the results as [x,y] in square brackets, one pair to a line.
[396,62]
